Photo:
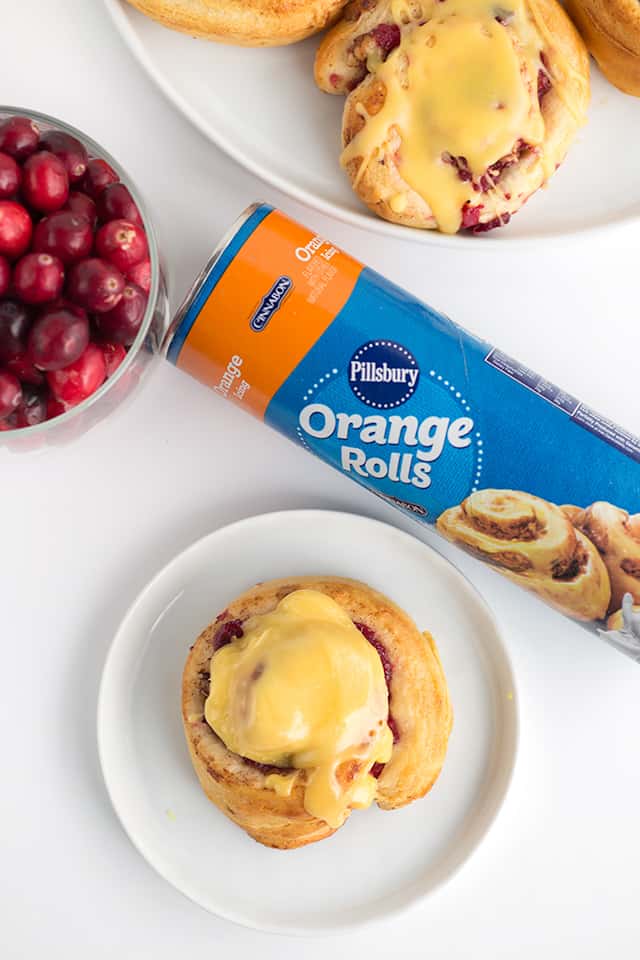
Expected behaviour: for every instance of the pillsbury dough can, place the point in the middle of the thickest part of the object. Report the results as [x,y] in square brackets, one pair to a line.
[422,413]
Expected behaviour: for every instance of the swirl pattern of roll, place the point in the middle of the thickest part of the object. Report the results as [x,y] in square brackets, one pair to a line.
[616,535]
[611,29]
[251,23]
[457,111]
[420,715]
[533,543]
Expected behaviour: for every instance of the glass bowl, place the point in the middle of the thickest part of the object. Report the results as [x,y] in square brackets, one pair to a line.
[120,384]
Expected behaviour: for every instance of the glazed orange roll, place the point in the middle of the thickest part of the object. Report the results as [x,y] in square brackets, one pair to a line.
[627,617]
[254,23]
[457,110]
[616,535]
[611,29]
[308,698]
[533,543]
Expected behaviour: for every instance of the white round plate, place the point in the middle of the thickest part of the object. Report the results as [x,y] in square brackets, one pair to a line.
[262,107]
[378,862]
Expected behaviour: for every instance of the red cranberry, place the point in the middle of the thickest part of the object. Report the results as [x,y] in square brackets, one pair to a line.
[38,278]
[45,184]
[544,84]
[10,176]
[95,285]
[487,181]
[64,235]
[471,215]
[98,176]
[55,408]
[5,276]
[10,393]
[58,337]
[141,275]
[80,379]
[32,408]
[116,203]
[229,631]
[387,36]
[19,137]
[122,243]
[15,229]
[387,666]
[69,150]
[369,634]
[500,221]
[15,320]
[20,365]
[121,324]
[461,165]
[82,206]
[114,354]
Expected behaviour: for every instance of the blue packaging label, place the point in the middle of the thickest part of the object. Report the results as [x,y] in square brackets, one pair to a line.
[418,410]
[436,414]
[449,429]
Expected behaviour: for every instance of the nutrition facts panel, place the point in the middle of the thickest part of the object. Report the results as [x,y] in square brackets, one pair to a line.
[590,419]
[616,436]
[533,381]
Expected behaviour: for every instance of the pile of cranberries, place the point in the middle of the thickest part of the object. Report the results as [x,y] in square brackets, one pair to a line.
[74,272]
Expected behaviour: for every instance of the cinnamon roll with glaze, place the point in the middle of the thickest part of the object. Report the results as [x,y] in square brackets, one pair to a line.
[310,697]
[623,628]
[616,535]
[533,543]
[611,29]
[457,110]
[627,618]
[252,23]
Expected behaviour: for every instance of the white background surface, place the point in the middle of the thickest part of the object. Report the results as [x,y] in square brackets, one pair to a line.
[84,528]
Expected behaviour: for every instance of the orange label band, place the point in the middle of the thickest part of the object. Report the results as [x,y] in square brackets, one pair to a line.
[233,345]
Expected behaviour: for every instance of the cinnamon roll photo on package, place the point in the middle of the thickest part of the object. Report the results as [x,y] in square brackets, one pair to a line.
[423,414]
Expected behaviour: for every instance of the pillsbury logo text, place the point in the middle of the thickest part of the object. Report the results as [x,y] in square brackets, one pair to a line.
[383,374]
[271,302]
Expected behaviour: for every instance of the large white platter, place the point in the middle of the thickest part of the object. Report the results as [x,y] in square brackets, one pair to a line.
[262,107]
